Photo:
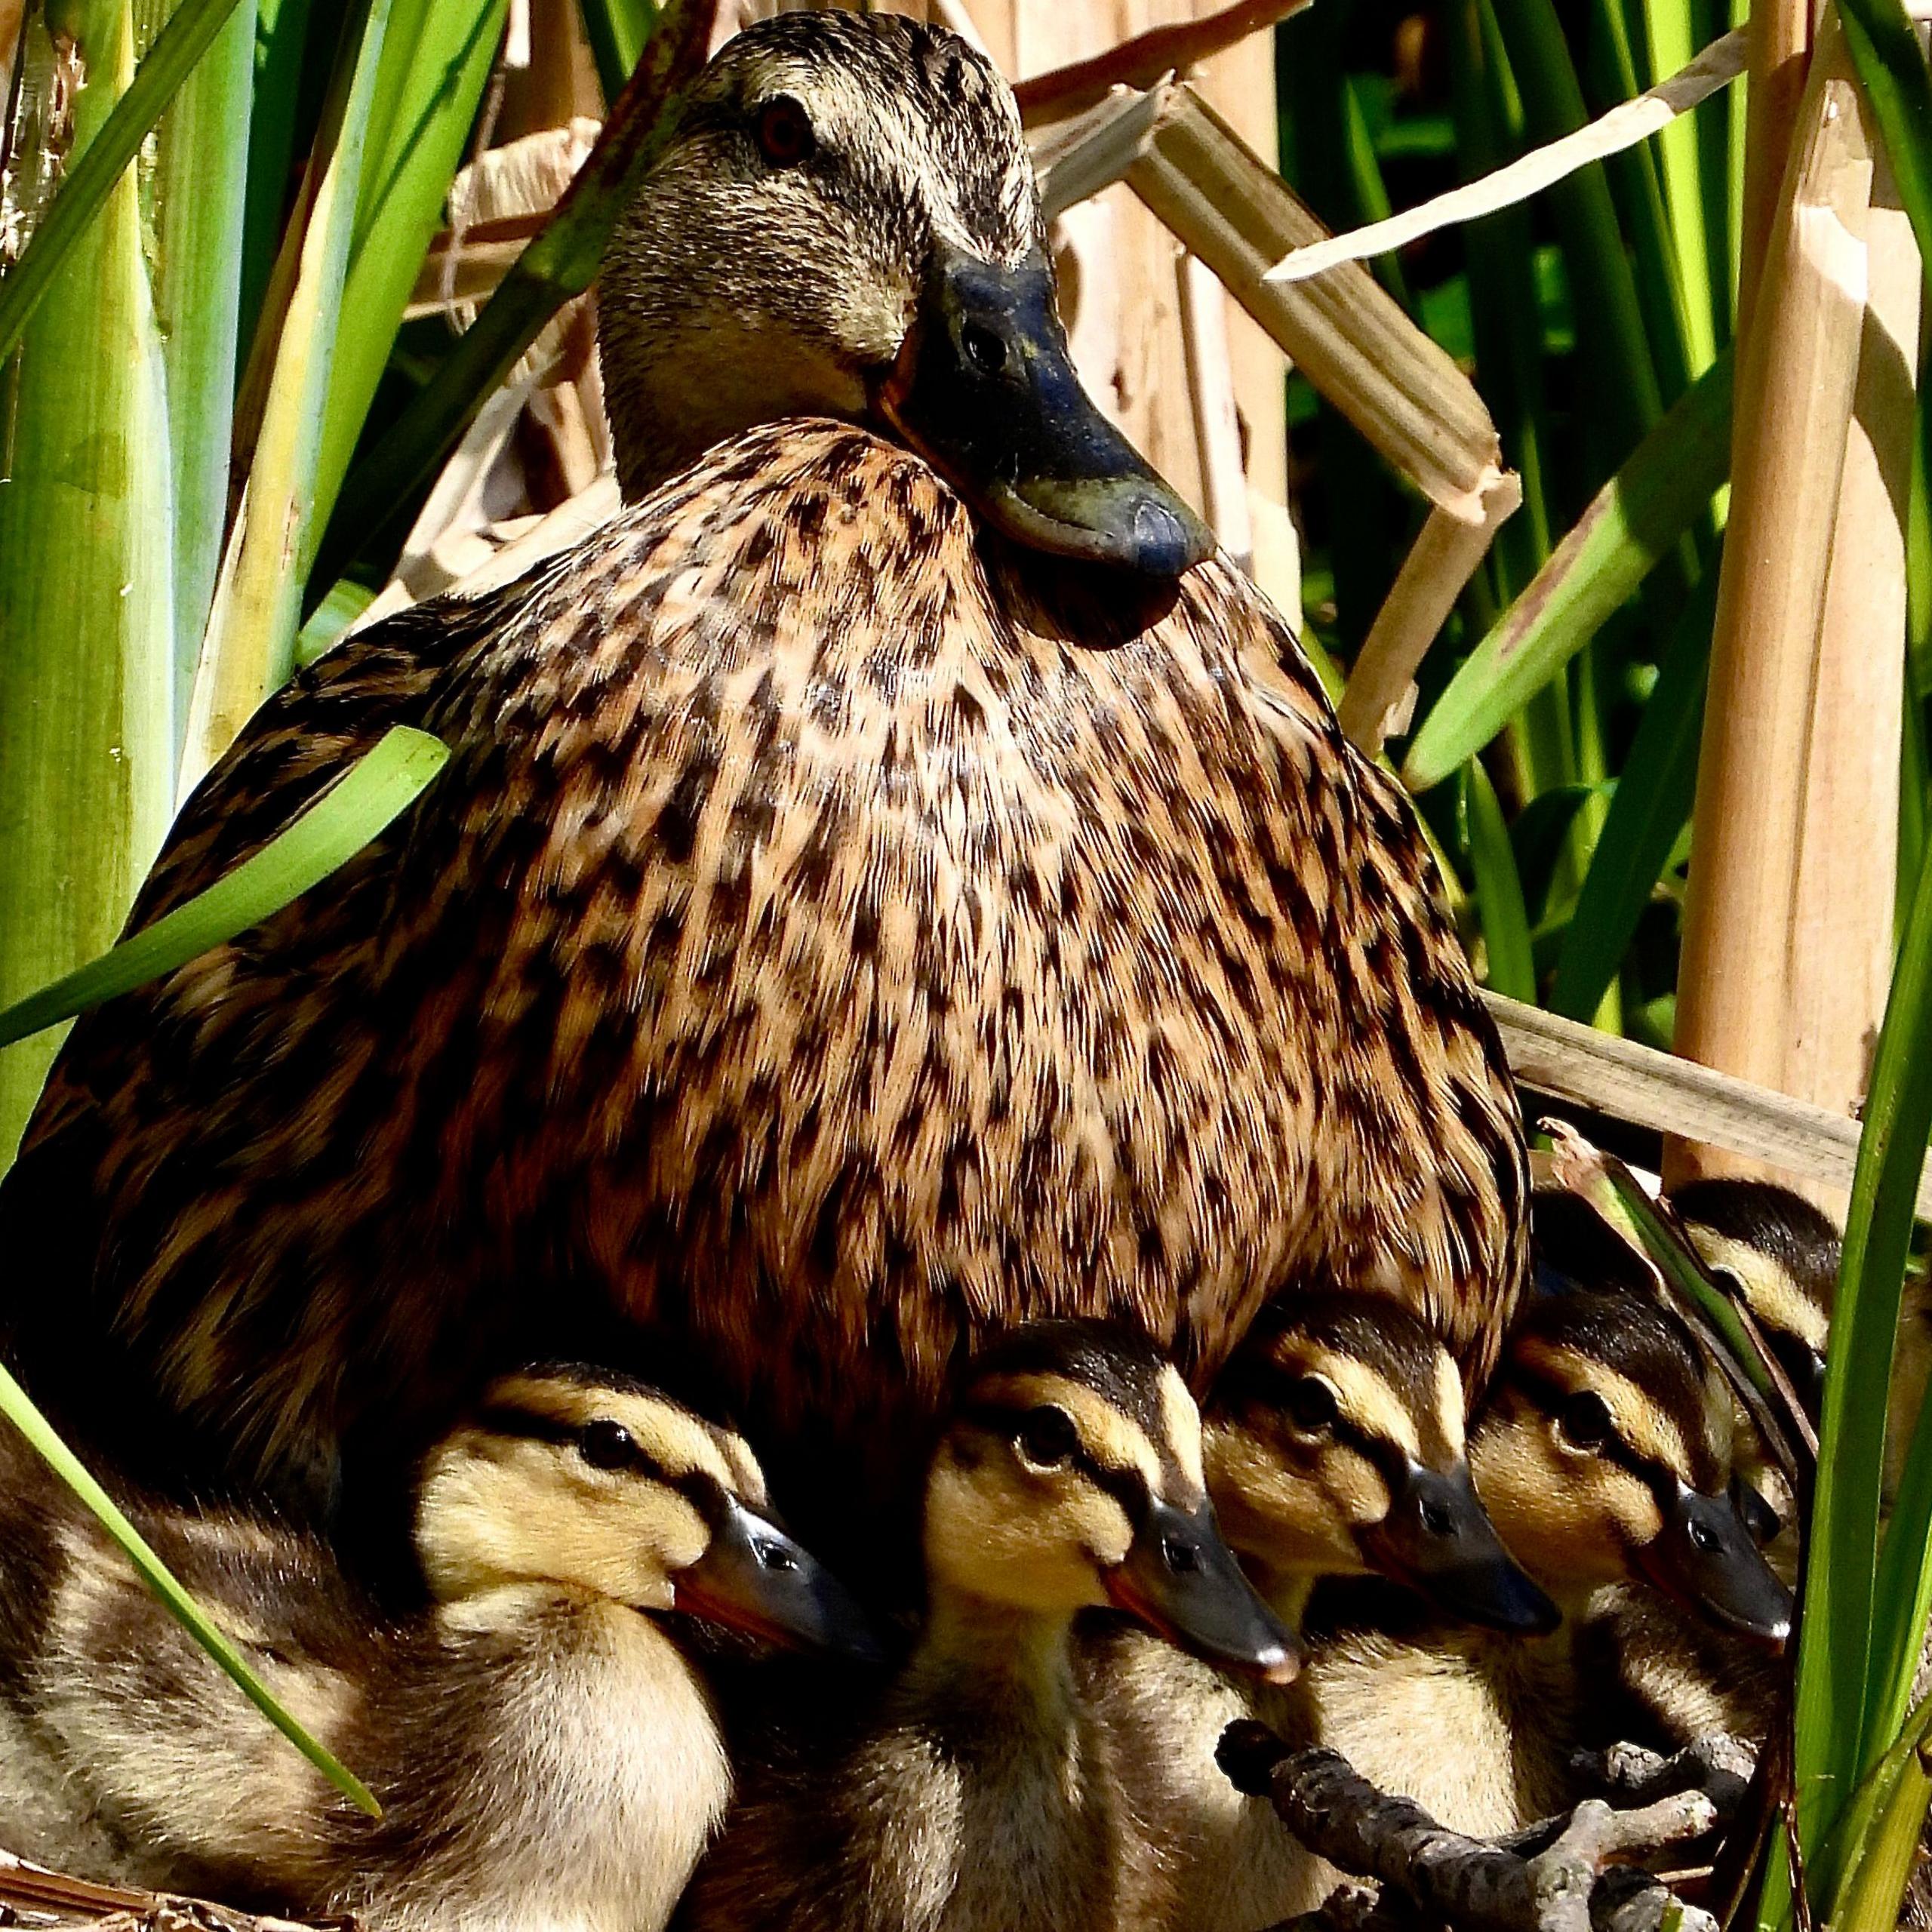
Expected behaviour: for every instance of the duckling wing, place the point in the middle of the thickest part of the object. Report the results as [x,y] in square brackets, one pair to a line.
[835,934]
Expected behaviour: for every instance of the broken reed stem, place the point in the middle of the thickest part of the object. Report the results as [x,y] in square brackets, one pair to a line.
[1794,405]
[1440,563]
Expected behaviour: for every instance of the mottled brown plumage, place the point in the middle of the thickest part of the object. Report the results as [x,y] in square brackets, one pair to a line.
[839,932]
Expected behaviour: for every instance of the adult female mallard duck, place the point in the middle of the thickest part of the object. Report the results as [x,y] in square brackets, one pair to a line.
[888,883]
[545,1746]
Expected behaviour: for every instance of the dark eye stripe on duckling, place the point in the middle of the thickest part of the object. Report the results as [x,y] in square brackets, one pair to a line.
[699,1487]
[1410,1382]
[1552,1396]
[1138,1429]
[1272,1388]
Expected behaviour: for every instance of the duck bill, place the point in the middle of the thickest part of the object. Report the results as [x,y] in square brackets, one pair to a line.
[1705,1557]
[984,390]
[1183,1581]
[753,1577]
[1437,1538]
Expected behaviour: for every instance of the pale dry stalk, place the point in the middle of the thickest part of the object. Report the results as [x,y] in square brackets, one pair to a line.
[1794,407]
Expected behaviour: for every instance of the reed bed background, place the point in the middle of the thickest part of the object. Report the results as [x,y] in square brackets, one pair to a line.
[1606,515]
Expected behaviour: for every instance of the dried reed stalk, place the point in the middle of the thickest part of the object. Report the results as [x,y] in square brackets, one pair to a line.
[1352,340]
[1442,561]
[1566,1060]
[1780,33]
[1794,405]
[1842,920]
[1211,390]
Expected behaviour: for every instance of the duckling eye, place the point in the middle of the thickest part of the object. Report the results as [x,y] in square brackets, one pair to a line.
[604,1444]
[1312,1405]
[1046,1438]
[784,131]
[1585,1421]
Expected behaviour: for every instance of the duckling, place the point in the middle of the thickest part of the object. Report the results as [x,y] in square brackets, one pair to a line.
[889,883]
[1334,1446]
[1603,1456]
[545,1752]
[979,1795]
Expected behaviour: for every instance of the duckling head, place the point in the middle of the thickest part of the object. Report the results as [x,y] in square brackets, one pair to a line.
[1070,1476]
[606,1487]
[1603,1453]
[1334,1446]
[1783,1252]
[844,221]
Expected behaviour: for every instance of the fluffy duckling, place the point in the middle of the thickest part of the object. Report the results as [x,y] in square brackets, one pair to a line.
[886,886]
[1334,1446]
[1603,1457]
[546,1752]
[980,1795]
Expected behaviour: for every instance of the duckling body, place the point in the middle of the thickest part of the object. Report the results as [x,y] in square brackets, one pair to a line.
[1334,1448]
[982,1793]
[546,1754]
[842,929]
[1603,1455]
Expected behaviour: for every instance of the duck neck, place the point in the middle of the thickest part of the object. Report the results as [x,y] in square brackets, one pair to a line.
[1007,1654]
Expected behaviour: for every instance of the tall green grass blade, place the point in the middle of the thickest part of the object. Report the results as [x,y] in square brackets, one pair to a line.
[436,57]
[1637,193]
[1671,38]
[16,1406]
[1879,1869]
[1891,69]
[1650,808]
[86,600]
[1843,1700]
[618,30]
[249,649]
[94,173]
[561,263]
[200,195]
[372,793]
[1636,518]
[1505,925]
[1863,1824]
[1610,316]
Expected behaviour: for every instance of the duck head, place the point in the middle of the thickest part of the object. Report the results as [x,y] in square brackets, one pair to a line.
[844,221]
[1334,1446]
[1603,1452]
[606,1487]
[1070,1477]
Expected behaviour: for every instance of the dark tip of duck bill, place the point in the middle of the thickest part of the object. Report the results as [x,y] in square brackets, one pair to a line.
[1183,1581]
[985,389]
[1438,1538]
[753,1577]
[1705,1557]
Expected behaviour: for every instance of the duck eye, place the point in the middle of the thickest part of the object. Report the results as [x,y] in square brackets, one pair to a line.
[1047,1438]
[607,1445]
[1585,1421]
[774,1555]
[784,131]
[1312,1405]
